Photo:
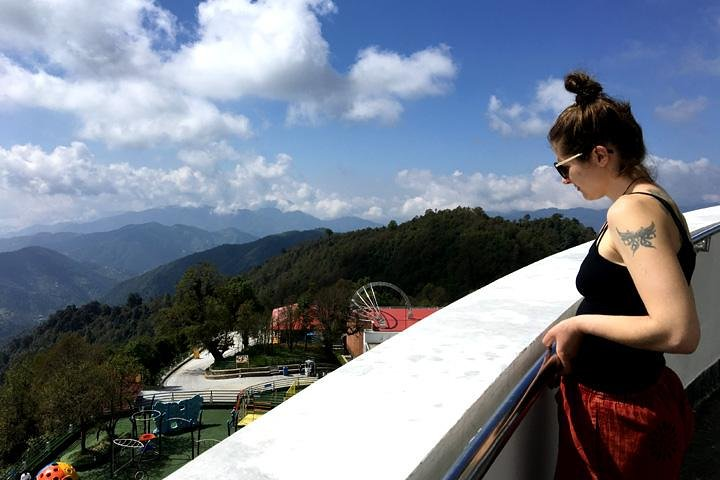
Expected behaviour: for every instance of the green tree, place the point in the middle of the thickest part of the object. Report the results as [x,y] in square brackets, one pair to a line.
[71,386]
[332,307]
[199,311]
[121,382]
[242,304]
[305,315]
[431,296]
[134,300]
[18,404]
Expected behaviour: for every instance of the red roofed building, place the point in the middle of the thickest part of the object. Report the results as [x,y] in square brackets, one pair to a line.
[289,318]
[396,320]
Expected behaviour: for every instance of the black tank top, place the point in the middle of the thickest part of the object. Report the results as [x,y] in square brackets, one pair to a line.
[608,289]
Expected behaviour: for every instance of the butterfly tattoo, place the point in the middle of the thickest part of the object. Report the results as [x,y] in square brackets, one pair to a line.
[640,238]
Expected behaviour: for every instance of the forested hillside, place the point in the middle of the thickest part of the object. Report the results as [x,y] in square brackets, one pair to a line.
[36,281]
[132,249]
[435,258]
[229,260]
[97,324]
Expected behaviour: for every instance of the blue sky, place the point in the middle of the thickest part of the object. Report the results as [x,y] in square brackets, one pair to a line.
[379,109]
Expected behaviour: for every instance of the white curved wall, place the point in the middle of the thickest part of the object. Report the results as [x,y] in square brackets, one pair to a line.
[406,408]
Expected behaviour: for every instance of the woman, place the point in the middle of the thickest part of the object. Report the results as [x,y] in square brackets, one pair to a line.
[622,412]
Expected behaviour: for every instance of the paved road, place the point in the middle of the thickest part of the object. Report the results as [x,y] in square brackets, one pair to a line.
[191,377]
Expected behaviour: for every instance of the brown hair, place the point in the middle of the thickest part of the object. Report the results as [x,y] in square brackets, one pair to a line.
[598,119]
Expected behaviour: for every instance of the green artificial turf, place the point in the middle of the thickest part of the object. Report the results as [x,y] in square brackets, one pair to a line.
[176,450]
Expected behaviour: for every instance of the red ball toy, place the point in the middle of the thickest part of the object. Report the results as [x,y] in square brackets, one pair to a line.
[58,471]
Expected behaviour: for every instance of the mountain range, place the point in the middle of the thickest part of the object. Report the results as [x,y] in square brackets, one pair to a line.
[259,223]
[35,281]
[132,243]
[132,249]
[48,268]
[146,252]
[229,259]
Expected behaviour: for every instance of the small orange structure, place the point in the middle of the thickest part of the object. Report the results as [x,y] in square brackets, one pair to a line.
[58,471]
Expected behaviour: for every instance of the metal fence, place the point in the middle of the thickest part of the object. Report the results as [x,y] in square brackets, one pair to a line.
[222,397]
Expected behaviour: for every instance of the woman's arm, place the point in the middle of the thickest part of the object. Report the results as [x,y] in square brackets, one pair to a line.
[645,237]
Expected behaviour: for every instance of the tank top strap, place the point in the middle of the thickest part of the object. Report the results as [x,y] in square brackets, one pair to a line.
[678,223]
[600,234]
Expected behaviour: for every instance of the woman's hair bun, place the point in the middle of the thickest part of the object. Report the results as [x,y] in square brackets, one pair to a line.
[585,88]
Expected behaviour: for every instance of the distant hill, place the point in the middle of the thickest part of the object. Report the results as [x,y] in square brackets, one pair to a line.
[36,281]
[132,249]
[260,223]
[435,258]
[229,259]
[587,216]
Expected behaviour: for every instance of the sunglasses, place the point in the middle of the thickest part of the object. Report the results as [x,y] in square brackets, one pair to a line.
[563,169]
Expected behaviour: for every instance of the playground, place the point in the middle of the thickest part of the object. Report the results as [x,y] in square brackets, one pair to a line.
[165,432]
[198,404]
[142,456]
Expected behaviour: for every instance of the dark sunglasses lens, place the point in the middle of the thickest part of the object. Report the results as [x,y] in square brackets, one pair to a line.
[563,170]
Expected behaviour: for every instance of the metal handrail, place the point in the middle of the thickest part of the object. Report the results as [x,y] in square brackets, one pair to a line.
[486,445]
[701,237]
[488,442]
[705,232]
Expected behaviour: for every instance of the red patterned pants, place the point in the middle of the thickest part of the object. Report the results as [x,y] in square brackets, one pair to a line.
[623,436]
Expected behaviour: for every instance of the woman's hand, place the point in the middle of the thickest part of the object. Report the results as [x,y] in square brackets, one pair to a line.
[566,336]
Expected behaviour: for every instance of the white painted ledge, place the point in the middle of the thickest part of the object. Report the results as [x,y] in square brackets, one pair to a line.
[406,408]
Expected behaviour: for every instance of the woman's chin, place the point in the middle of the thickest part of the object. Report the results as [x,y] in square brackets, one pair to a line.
[589,197]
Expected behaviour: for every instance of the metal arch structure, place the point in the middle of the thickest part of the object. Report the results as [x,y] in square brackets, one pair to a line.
[365,305]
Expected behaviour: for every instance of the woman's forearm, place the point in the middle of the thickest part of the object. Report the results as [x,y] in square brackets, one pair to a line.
[678,336]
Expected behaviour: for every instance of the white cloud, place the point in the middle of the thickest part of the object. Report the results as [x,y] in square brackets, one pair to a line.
[540,189]
[690,184]
[379,79]
[387,109]
[272,49]
[86,38]
[532,119]
[68,183]
[119,69]
[131,112]
[208,157]
[682,110]
[423,73]
[374,213]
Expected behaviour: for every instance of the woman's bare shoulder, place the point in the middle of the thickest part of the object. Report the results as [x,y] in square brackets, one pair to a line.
[643,215]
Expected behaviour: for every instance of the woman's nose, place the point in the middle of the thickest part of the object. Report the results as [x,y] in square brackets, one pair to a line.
[566,181]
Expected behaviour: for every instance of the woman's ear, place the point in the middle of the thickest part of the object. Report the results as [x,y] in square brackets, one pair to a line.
[602,155]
